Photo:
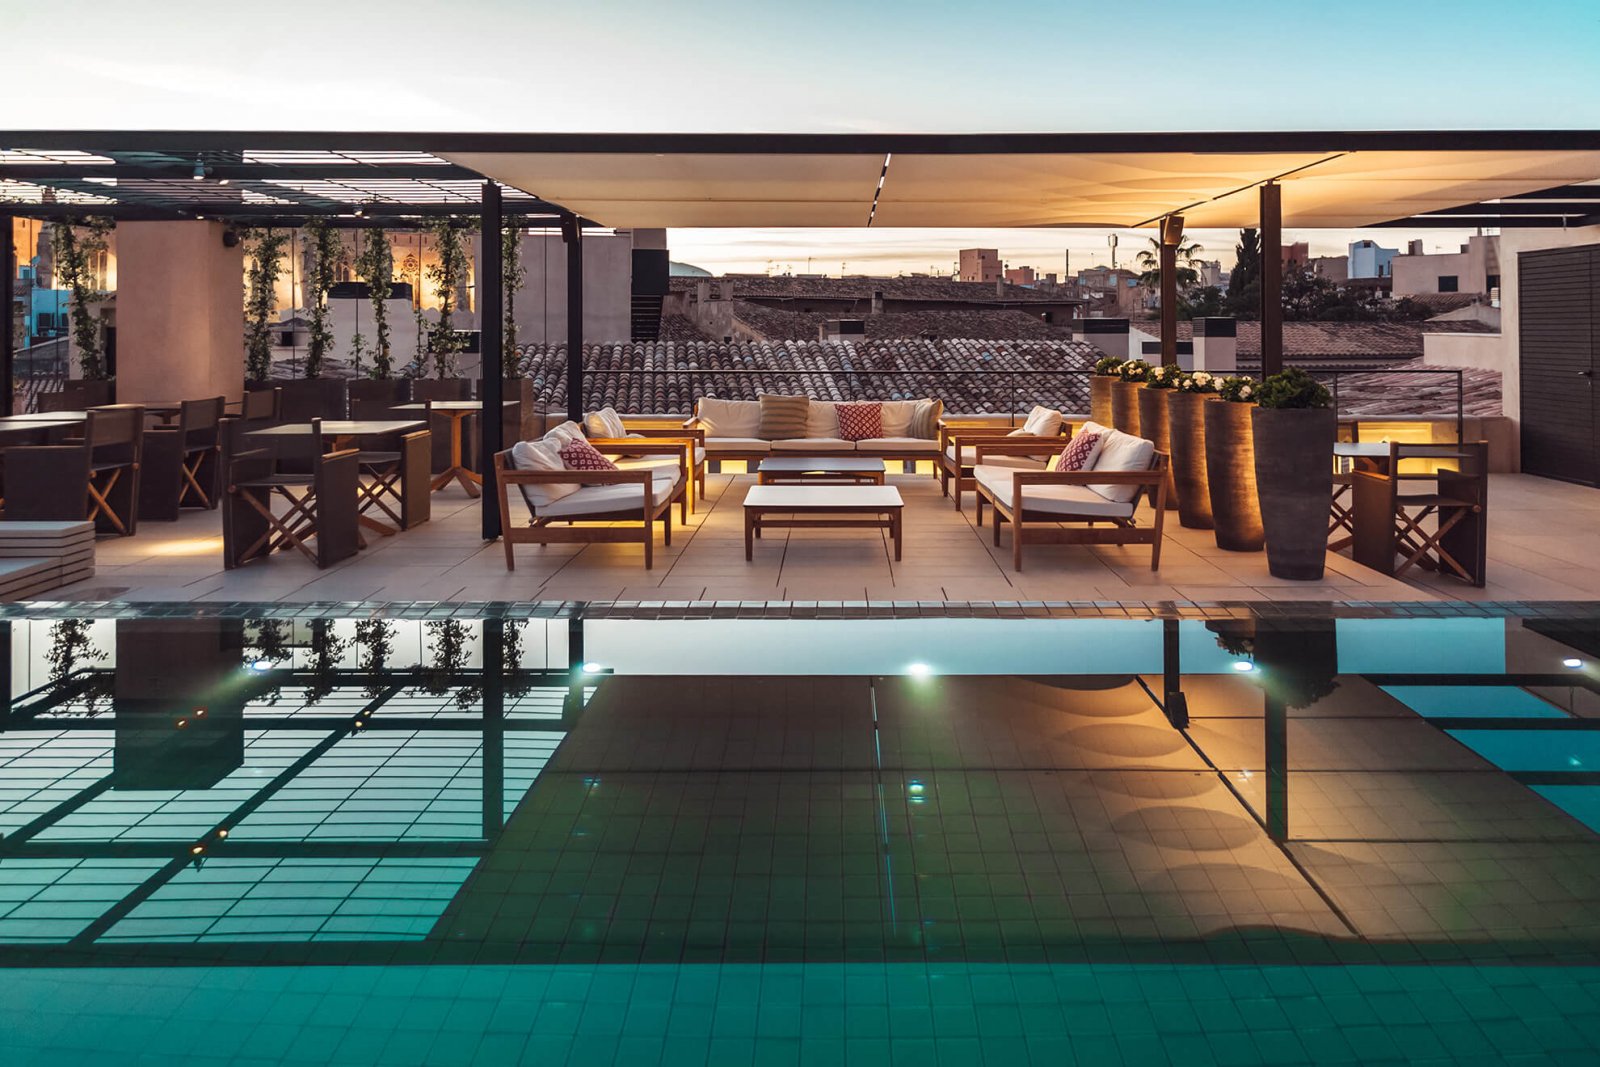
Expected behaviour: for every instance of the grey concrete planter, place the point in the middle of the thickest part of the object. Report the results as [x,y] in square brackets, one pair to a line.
[1153,423]
[1187,431]
[1100,398]
[1231,476]
[1125,406]
[1294,478]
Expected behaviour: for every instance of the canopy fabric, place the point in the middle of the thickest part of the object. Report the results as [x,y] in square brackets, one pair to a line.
[1322,189]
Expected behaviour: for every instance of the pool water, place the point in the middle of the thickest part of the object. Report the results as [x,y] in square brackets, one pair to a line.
[367,835]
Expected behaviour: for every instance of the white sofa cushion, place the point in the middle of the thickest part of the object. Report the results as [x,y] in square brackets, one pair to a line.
[730,418]
[737,444]
[1065,500]
[822,419]
[666,457]
[541,455]
[1042,422]
[601,499]
[919,445]
[814,444]
[1122,452]
[897,416]
[604,423]
[969,456]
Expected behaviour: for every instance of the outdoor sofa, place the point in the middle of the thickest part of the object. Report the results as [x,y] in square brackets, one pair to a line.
[736,430]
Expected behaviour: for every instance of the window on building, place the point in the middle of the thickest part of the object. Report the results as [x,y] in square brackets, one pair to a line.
[1449,283]
[1492,282]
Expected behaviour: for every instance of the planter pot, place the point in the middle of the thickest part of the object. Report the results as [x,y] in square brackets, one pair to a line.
[1153,422]
[1125,406]
[1187,431]
[80,394]
[1100,388]
[1294,478]
[1231,476]
[305,399]
[373,394]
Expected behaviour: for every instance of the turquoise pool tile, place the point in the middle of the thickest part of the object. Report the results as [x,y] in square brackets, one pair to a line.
[1535,750]
[1473,701]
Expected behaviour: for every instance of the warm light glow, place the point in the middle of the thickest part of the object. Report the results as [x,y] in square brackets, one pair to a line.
[918,670]
[186,546]
[1243,665]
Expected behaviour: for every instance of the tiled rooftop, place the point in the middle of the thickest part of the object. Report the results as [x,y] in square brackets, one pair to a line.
[996,324]
[861,287]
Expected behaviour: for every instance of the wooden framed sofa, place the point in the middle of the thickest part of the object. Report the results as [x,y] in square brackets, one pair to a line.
[646,443]
[958,442]
[1103,497]
[588,506]
[732,430]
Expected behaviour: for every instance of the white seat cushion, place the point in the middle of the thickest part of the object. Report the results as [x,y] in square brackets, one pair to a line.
[665,457]
[814,444]
[737,444]
[1123,452]
[1064,500]
[541,455]
[969,456]
[730,418]
[600,499]
[919,445]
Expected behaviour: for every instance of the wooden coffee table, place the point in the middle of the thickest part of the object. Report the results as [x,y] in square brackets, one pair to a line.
[803,470]
[872,507]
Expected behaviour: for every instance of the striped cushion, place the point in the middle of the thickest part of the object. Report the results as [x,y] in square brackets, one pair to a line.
[783,417]
[925,419]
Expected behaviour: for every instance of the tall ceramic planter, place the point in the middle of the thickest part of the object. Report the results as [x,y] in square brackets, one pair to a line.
[1100,387]
[1294,478]
[1125,406]
[1154,426]
[1186,430]
[1231,476]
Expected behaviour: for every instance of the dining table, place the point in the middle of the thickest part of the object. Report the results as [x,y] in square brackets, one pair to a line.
[457,411]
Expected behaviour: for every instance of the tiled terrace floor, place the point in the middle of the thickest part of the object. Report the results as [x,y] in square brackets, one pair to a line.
[1545,545]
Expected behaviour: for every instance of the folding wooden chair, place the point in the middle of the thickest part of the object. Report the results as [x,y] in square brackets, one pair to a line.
[396,477]
[318,505]
[1443,530]
[262,405]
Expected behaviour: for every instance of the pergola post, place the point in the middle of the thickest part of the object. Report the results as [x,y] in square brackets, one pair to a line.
[490,302]
[1271,278]
[1171,237]
[8,293]
[572,234]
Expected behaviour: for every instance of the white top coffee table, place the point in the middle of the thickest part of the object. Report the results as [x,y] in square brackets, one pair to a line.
[809,470]
[875,507]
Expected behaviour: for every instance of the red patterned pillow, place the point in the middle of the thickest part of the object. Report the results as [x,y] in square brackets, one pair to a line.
[858,422]
[579,455]
[1078,453]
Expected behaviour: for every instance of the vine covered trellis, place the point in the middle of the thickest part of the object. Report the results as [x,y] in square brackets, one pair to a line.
[375,266]
[74,252]
[326,256]
[260,299]
[448,273]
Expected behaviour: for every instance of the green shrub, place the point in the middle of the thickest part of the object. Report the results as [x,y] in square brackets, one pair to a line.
[1294,388]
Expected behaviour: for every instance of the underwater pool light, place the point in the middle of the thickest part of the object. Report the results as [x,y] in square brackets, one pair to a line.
[1243,665]
[918,670]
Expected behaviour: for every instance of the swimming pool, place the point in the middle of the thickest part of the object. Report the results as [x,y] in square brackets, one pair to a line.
[502,834]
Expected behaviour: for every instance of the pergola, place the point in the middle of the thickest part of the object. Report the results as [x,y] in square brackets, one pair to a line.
[1310,180]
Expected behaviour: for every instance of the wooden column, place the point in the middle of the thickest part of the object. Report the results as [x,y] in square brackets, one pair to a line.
[1171,237]
[572,234]
[8,340]
[490,303]
[1271,278]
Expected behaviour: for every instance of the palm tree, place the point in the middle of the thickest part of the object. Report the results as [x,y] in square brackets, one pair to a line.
[1187,256]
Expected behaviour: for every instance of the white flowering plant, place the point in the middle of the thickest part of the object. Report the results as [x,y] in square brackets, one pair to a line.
[1165,376]
[1106,366]
[1198,381]
[1238,388]
[1134,370]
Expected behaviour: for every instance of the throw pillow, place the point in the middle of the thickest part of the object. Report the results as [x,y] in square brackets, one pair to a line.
[860,422]
[783,417]
[604,423]
[1122,452]
[579,455]
[1042,422]
[1079,455]
[925,420]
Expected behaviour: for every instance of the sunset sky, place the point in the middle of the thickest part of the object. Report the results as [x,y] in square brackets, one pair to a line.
[821,65]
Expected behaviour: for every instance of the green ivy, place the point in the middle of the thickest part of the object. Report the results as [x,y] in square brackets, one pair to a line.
[447,273]
[260,299]
[73,252]
[513,274]
[375,265]
[327,255]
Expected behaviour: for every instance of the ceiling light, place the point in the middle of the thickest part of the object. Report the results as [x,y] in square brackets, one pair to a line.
[1572,664]
[1243,665]
[593,668]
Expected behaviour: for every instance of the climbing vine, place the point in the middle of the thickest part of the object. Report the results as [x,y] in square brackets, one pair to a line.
[375,265]
[74,252]
[260,299]
[327,255]
[72,647]
[448,273]
[513,273]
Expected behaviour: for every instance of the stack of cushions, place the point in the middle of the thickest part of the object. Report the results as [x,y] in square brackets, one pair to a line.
[1093,448]
[565,448]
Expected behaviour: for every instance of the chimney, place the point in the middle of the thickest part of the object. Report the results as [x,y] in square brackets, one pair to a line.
[1000,287]
[1414,248]
[1110,336]
[877,301]
[1216,345]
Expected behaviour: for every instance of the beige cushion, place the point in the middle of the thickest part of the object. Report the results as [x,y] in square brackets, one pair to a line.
[783,417]
[925,419]
[1067,500]
[1042,422]
[919,445]
[601,499]
[650,461]
[969,456]
[822,419]
[604,423]
[541,455]
[1123,452]
[729,418]
[897,416]
[814,444]
[737,444]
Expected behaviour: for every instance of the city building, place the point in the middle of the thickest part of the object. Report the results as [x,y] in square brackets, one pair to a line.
[1474,268]
[1368,259]
[979,265]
